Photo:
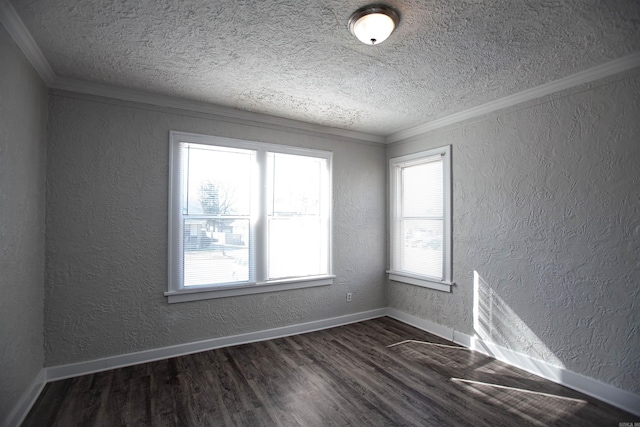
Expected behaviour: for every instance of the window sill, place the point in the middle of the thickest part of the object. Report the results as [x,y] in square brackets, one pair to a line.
[425,282]
[202,293]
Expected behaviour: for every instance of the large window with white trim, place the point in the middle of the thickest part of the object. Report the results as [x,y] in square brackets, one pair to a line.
[246,217]
[420,214]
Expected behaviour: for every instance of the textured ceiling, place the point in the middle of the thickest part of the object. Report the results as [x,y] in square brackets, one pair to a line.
[296,58]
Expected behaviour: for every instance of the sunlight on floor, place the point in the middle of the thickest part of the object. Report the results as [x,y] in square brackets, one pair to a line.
[520,390]
[504,391]
[534,407]
[457,347]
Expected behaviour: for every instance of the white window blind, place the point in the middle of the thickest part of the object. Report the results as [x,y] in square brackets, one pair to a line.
[421,218]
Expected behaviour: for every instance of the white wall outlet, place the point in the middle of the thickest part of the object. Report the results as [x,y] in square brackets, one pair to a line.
[348,296]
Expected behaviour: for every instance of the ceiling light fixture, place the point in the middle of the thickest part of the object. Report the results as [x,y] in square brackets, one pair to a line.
[373,24]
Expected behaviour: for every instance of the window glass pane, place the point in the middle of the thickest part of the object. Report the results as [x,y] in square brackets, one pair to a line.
[295,184]
[297,236]
[296,247]
[422,190]
[217,182]
[216,202]
[421,247]
[215,252]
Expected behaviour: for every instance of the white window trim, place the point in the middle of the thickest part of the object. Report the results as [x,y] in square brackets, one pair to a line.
[176,292]
[407,277]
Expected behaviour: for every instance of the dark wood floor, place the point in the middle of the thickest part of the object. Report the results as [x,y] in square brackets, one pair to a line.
[375,373]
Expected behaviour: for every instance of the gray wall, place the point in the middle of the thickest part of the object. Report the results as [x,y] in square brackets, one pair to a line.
[547,212]
[106,251]
[23,115]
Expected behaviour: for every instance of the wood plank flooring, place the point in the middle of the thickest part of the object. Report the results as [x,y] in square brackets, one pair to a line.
[375,373]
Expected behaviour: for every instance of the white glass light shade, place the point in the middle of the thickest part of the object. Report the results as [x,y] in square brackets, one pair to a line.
[373,24]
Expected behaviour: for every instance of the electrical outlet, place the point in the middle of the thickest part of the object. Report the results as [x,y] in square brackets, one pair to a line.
[348,296]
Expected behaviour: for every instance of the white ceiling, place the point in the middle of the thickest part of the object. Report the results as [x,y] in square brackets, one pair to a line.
[296,58]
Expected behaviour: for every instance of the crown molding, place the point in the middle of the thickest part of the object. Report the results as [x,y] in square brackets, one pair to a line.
[587,76]
[19,33]
[21,36]
[134,95]
[17,30]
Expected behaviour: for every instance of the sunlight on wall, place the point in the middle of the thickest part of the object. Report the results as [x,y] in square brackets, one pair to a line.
[496,323]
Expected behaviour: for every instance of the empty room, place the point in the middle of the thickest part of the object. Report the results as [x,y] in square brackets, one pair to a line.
[313,213]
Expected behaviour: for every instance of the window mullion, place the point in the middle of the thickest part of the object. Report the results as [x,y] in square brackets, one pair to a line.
[260,239]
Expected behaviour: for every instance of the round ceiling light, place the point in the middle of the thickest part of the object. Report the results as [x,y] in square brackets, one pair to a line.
[373,24]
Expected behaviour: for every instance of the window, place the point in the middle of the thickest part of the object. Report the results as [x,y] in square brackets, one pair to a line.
[420,215]
[246,217]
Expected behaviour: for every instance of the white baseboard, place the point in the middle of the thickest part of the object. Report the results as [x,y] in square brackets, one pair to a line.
[22,408]
[425,325]
[617,397]
[89,367]
[622,399]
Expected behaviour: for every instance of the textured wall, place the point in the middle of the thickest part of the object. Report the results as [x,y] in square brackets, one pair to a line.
[23,115]
[106,252]
[547,212]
